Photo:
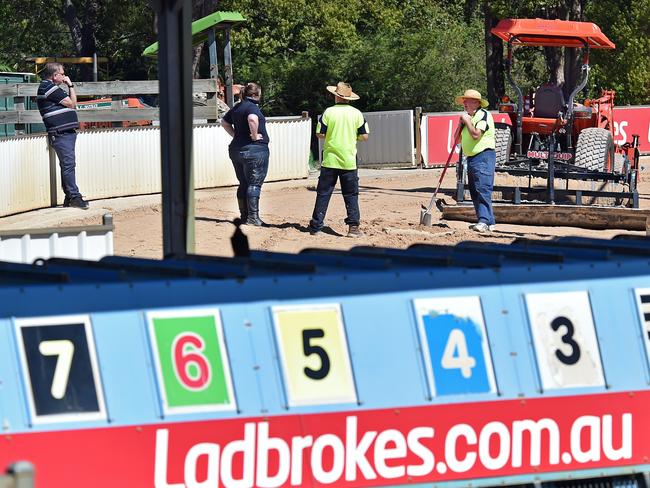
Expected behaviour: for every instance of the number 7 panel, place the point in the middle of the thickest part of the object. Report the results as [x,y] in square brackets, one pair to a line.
[59,365]
[314,354]
[454,345]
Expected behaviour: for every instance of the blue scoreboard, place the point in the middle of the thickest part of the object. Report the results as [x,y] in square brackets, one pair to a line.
[477,364]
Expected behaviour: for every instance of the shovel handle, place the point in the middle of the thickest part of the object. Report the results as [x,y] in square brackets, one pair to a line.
[444,170]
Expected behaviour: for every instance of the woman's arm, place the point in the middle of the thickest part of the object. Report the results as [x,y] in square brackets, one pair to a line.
[253,125]
[228,128]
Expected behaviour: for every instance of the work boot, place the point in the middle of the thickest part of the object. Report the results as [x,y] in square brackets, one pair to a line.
[354,231]
[243,209]
[254,212]
[79,202]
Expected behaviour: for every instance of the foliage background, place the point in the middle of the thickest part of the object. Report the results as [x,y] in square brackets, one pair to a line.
[396,54]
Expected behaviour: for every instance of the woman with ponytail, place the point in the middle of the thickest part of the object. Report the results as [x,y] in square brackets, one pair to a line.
[249,151]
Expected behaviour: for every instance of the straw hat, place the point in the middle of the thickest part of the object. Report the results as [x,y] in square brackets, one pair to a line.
[473,95]
[343,90]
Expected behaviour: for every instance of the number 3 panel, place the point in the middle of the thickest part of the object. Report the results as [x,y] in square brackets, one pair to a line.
[565,339]
[643,306]
[454,345]
[191,360]
[314,354]
[59,365]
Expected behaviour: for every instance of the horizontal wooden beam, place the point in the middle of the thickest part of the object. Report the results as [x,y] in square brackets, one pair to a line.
[104,115]
[67,60]
[587,217]
[106,88]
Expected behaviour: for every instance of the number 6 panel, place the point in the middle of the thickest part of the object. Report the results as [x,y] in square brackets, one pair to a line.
[59,366]
[191,360]
[565,340]
[314,354]
[454,345]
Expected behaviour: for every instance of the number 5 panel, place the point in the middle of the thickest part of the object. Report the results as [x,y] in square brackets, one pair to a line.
[314,354]
[59,365]
[191,360]
[454,345]
[565,339]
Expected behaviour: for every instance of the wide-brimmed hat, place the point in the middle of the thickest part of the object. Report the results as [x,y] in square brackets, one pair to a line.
[472,95]
[343,90]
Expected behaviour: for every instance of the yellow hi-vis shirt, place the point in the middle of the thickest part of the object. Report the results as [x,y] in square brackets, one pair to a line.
[482,120]
[341,124]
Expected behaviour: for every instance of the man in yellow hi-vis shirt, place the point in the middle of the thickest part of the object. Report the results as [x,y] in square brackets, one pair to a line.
[341,125]
[478,143]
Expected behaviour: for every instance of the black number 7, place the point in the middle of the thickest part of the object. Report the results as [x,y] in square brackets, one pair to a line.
[309,349]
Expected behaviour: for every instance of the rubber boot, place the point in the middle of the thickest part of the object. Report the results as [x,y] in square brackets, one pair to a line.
[243,209]
[254,212]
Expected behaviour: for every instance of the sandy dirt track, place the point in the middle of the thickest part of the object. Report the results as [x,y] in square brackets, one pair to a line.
[390,203]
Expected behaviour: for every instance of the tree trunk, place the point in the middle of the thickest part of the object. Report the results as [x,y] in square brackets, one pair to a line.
[573,57]
[564,63]
[74,25]
[493,59]
[83,34]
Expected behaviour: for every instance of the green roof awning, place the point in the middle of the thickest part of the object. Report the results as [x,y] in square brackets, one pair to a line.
[218,20]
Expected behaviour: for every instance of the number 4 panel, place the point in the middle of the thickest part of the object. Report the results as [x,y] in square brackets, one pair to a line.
[191,359]
[454,345]
[314,354]
[60,369]
[565,341]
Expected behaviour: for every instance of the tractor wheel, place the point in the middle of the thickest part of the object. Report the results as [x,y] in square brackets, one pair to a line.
[595,149]
[503,142]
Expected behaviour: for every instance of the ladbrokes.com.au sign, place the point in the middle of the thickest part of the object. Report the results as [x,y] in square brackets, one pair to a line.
[360,448]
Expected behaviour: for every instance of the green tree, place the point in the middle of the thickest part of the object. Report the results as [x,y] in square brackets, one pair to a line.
[627,68]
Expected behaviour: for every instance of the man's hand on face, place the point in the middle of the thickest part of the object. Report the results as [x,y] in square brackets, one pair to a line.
[67,81]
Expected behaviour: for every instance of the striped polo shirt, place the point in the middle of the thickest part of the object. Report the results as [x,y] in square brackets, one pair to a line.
[56,117]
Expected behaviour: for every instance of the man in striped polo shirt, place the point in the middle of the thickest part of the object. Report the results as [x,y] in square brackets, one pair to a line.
[60,118]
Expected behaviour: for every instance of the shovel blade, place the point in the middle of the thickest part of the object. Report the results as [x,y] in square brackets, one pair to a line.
[425,218]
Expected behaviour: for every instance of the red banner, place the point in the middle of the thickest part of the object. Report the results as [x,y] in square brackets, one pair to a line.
[349,449]
[440,131]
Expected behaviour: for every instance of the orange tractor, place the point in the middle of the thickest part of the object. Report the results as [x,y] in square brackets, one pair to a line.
[552,137]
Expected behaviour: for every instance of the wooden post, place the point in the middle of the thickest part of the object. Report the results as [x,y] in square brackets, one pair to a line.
[418,138]
[212,51]
[227,60]
[52,155]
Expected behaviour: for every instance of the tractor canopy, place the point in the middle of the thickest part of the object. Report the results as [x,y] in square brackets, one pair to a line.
[554,33]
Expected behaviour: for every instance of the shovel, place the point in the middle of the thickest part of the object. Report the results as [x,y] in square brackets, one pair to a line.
[425,213]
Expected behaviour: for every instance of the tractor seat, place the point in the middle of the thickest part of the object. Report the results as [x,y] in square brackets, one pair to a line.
[549,100]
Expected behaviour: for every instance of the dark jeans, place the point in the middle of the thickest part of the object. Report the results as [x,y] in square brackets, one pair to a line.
[251,164]
[480,173]
[349,188]
[63,144]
